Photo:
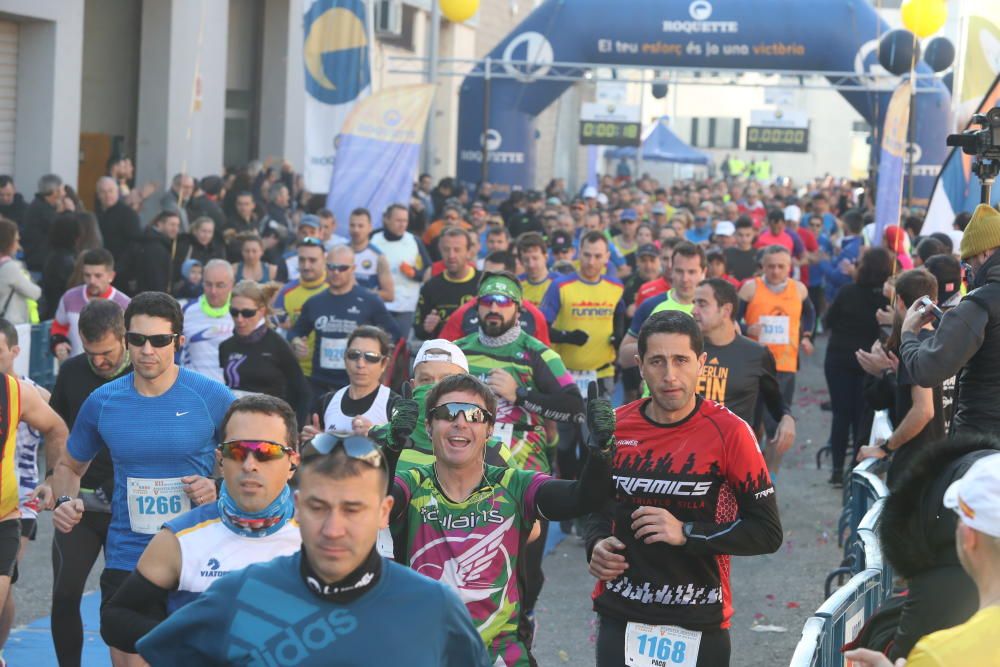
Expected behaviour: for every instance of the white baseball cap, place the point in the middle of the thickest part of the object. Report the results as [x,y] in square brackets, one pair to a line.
[976,497]
[590,192]
[724,228]
[439,349]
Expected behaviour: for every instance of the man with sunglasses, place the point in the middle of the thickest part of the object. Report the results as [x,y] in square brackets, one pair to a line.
[459,516]
[336,601]
[160,425]
[250,523]
[308,228]
[532,385]
[331,316]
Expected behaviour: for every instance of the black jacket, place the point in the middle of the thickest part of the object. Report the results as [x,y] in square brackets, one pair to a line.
[35,232]
[153,266]
[120,228]
[203,206]
[966,343]
[917,534]
[14,211]
[55,277]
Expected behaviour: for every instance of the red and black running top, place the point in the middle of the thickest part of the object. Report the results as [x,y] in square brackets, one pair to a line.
[706,470]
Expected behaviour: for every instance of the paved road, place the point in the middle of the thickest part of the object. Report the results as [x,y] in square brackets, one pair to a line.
[781,589]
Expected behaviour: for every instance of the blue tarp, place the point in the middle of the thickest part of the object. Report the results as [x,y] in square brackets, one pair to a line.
[661,145]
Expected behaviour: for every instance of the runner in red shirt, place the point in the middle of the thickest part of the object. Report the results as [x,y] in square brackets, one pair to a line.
[691,489]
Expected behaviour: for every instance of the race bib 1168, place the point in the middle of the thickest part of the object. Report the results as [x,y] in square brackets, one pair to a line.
[661,646]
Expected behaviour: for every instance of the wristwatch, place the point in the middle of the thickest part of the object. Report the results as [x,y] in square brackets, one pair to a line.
[885,448]
[687,529]
[62,499]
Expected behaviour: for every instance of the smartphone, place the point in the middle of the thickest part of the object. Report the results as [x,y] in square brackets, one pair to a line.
[928,306]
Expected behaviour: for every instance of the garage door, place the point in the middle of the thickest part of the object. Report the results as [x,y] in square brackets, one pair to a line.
[8,94]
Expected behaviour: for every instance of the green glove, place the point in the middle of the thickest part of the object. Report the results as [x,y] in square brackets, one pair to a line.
[403,420]
[600,422]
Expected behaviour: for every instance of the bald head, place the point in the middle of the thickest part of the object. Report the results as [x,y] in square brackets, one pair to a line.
[107,192]
[217,281]
[340,269]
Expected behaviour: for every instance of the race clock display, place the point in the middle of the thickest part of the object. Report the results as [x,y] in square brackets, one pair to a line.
[778,139]
[609,133]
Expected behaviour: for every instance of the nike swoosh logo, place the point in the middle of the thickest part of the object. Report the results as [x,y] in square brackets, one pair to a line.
[181,414]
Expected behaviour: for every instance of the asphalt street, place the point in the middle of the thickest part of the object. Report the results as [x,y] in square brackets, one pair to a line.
[773,595]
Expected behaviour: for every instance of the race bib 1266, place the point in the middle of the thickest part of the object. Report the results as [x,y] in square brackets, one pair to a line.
[153,502]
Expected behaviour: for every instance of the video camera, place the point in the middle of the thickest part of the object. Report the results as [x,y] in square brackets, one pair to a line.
[985,145]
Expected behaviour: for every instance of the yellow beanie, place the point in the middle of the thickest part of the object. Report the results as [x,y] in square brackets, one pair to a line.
[982,233]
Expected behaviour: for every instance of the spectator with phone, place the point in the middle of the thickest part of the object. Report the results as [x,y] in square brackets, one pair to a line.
[967,339]
[920,419]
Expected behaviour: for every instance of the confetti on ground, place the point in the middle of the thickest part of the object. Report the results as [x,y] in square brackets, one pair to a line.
[563,655]
[769,596]
[793,605]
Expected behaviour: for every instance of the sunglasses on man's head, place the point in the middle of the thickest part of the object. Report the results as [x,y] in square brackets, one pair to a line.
[355,446]
[262,450]
[156,340]
[339,268]
[370,357]
[311,241]
[495,300]
[474,414]
[245,313]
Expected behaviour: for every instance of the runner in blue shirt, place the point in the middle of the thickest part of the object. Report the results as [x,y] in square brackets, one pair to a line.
[333,315]
[160,425]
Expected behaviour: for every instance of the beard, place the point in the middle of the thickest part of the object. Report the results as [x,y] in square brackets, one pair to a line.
[495,325]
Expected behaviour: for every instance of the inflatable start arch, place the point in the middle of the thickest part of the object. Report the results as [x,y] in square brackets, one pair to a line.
[834,36]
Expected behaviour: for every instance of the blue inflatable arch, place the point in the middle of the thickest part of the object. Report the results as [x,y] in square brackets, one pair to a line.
[834,36]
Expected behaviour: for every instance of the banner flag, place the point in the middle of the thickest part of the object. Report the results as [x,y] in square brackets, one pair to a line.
[336,57]
[888,197]
[957,188]
[376,161]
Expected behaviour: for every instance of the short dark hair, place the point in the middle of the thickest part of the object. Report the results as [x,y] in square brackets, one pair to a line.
[461,382]
[874,267]
[688,249]
[456,232]
[368,331]
[100,317]
[962,219]
[5,180]
[211,185]
[497,230]
[156,304]
[8,234]
[594,237]
[775,215]
[724,293]
[854,221]
[263,404]
[9,332]
[392,207]
[912,284]
[944,239]
[671,322]
[531,240]
[163,215]
[715,256]
[928,247]
[99,257]
[743,222]
[504,257]
[362,211]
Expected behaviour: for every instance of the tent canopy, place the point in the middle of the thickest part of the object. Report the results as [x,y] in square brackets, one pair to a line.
[661,145]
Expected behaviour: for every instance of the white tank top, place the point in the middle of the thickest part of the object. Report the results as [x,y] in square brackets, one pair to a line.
[405,249]
[209,550]
[366,267]
[335,420]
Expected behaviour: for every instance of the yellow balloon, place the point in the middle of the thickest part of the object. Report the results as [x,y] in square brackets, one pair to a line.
[924,17]
[459,11]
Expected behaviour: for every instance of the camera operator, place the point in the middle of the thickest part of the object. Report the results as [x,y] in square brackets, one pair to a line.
[967,339]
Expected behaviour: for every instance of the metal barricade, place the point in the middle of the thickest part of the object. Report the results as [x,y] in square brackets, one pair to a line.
[864,489]
[41,362]
[844,613]
[807,651]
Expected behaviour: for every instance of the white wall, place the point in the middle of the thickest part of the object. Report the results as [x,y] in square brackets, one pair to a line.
[48,91]
[177,36]
[282,131]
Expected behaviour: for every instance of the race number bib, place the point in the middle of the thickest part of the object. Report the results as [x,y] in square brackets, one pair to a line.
[774,330]
[661,646]
[331,353]
[153,502]
[504,432]
[583,380]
